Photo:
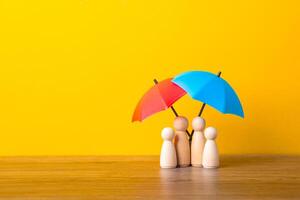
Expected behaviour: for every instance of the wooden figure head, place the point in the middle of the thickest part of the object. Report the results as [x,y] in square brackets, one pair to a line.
[181,123]
[210,133]
[198,124]
[167,133]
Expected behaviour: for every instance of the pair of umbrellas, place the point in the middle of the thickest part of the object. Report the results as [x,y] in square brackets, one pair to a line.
[203,86]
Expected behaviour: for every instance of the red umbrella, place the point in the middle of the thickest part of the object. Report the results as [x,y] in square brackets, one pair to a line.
[160,97]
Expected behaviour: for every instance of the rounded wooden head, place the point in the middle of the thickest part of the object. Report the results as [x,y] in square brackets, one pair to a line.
[210,133]
[181,123]
[198,124]
[167,133]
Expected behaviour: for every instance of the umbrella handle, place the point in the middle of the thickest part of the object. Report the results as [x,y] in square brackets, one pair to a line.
[173,109]
[201,110]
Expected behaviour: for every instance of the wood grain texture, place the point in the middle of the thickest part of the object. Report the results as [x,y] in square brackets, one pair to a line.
[240,177]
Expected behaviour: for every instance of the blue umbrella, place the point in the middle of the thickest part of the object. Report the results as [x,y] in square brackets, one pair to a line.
[210,89]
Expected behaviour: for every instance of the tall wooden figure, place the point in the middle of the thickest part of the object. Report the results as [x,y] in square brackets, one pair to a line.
[182,143]
[198,141]
[210,152]
[168,153]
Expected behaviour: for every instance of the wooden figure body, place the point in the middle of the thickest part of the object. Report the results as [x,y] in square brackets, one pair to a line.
[198,141]
[210,152]
[168,153]
[182,143]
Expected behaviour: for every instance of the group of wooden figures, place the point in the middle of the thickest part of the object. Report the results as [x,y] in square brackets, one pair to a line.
[178,151]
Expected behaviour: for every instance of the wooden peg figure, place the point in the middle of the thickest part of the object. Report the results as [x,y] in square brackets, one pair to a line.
[198,141]
[210,152]
[168,153]
[182,144]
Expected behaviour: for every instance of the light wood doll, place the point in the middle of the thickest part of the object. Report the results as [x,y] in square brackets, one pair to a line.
[210,152]
[198,141]
[168,153]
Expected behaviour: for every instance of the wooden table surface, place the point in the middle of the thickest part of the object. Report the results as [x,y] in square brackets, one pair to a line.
[240,177]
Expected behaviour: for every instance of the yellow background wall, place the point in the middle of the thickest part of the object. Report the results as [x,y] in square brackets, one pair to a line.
[72,71]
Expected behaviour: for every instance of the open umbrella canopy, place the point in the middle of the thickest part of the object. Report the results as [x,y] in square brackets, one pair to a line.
[210,89]
[159,97]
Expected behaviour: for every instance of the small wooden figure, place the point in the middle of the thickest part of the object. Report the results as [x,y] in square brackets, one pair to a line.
[210,152]
[198,141]
[182,143]
[168,153]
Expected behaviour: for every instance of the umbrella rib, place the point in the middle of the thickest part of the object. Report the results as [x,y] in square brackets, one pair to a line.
[163,102]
